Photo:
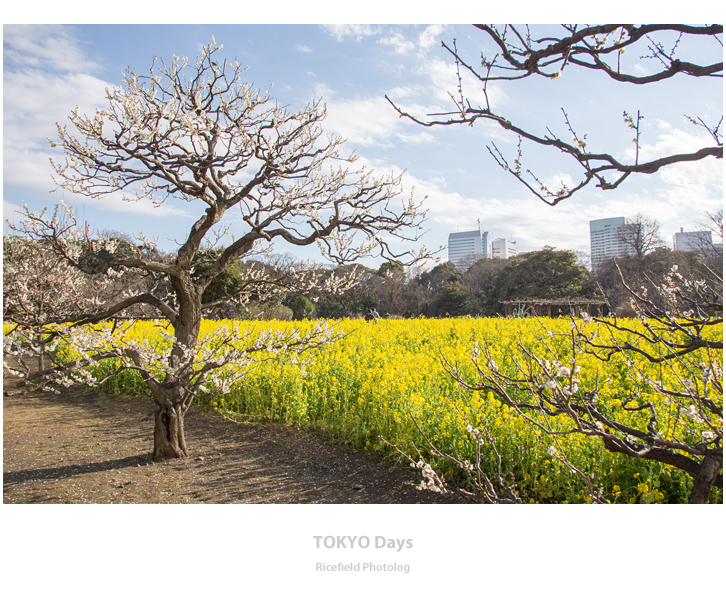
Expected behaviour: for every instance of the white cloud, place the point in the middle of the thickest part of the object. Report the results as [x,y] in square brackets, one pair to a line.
[364,121]
[557,181]
[531,223]
[369,121]
[372,121]
[28,171]
[47,47]
[399,43]
[115,203]
[440,83]
[340,32]
[403,92]
[31,172]
[35,101]
[444,80]
[397,40]
[671,140]
[678,194]
[422,44]
[11,212]
[303,48]
[430,36]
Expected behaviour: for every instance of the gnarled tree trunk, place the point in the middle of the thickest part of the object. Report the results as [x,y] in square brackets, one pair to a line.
[169,434]
[172,401]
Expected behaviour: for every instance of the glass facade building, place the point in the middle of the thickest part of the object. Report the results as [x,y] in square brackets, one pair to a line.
[465,248]
[605,240]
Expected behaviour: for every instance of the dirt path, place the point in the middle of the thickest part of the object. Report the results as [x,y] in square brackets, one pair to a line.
[94,448]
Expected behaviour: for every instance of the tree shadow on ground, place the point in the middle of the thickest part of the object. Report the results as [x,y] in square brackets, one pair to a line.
[73,470]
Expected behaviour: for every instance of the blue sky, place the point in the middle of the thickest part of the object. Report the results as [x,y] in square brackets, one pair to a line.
[48,70]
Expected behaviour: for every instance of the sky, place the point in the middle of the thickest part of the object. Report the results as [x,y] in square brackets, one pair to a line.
[51,69]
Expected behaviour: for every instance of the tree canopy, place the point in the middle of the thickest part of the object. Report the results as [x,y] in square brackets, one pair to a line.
[197,133]
[543,274]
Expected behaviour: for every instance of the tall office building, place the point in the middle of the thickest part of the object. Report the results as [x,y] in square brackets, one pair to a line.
[465,248]
[486,242]
[503,248]
[605,240]
[692,241]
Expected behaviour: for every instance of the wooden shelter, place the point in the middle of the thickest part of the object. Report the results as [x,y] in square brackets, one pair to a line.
[555,308]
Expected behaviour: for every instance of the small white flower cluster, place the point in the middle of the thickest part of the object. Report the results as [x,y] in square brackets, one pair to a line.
[692,413]
[557,371]
[475,433]
[708,436]
[429,477]
[711,372]
[586,318]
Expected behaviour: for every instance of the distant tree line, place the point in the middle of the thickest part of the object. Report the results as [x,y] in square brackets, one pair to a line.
[480,290]
[444,290]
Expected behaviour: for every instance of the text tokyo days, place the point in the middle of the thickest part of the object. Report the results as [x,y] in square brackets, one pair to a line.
[362,541]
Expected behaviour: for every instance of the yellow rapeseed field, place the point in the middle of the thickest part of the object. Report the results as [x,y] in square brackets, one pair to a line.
[383,379]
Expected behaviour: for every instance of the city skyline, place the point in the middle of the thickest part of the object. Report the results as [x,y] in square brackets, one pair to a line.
[466,247]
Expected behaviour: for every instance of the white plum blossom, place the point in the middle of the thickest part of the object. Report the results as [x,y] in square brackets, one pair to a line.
[692,413]
[430,481]
[708,436]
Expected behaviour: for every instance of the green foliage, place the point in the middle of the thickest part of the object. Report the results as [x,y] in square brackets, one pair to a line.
[225,283]
[545,274]
[440,275]
[453,300]
[479,279]
[389,267]
[302,308]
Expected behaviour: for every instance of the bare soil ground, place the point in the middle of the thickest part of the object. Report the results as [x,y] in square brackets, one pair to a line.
[90,447]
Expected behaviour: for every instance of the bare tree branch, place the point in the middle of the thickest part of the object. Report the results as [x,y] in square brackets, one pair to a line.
[597,48]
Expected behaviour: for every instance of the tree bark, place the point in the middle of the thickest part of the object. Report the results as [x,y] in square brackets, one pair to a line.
[41,354]
[706,477]
[169,439]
